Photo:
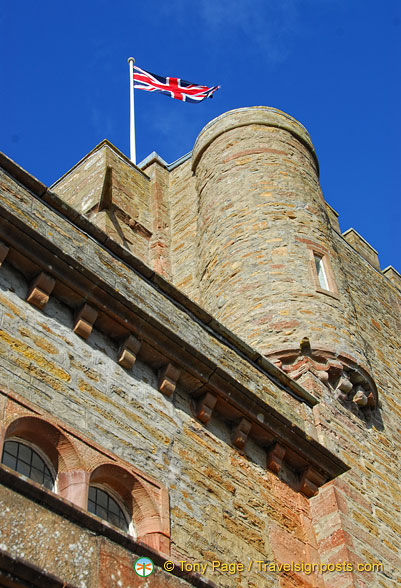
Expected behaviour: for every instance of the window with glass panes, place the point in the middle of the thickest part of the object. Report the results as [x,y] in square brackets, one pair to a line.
[101,504]
[25,460]
[321,272]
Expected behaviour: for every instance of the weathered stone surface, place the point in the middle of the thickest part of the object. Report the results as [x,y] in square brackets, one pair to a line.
[81,383]
[239,238]
[184,212]
[251,175]
[30,531]
[87,186]
[392,274]
[363,247]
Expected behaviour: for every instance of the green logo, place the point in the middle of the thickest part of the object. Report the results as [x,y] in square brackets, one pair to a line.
[143,566]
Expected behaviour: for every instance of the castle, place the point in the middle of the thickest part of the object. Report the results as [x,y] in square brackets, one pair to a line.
[196,367]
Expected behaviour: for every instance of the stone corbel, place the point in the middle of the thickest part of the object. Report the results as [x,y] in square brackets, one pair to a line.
[240,433]
[3,252]
[128,352]
[360,397]
[371,400]
[344,387]
[168,377]
[85,320]
[335,369]
[40,290]
[322,370]
[205,407]
[275,458]
[311,480]
[355,387]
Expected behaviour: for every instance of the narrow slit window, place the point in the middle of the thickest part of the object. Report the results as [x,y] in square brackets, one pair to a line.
[321,273]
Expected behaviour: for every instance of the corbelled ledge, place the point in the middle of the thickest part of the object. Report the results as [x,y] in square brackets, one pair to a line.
[62,254]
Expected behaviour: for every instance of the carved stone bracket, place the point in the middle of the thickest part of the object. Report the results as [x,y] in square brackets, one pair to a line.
[320,370]
[275,457]
[40,290]
[128,352]
[358,391]
[3,252]
[205,406]
[168,377]
[85,320]
[240,433]
[311,480]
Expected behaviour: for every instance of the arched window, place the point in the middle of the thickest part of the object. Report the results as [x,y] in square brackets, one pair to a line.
[102,504]
[26,460]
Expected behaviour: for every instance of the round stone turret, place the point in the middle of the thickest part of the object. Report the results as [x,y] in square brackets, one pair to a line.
[266,266]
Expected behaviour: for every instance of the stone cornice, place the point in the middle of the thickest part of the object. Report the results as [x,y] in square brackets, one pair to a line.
[110,289]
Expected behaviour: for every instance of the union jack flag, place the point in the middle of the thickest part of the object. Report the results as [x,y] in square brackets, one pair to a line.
[173,87]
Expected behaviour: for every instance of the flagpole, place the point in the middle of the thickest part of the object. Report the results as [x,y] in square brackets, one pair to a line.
[131,62]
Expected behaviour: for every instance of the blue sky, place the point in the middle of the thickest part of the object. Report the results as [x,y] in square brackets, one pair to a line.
[332,64]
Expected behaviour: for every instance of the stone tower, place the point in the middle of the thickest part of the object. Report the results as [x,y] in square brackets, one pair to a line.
[196,367]
[268,266]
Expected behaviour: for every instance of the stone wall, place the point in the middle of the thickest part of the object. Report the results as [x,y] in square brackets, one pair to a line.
[359,514]
[257,228]
[114,195]
[66,370]
[224,504]
[241,444]
[184,214]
